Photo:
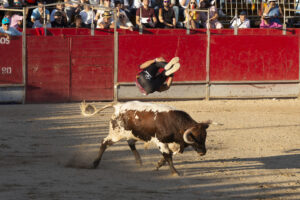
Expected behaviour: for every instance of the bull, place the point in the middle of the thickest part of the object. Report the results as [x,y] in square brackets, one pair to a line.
[170,129]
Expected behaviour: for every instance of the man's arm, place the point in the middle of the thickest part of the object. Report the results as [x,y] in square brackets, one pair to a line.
[166,86]
[147,64]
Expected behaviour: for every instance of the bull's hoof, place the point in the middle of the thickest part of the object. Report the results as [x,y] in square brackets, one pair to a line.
[175,174]
[95,164]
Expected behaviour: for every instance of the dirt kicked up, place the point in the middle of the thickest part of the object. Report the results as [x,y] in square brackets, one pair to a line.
[46,151]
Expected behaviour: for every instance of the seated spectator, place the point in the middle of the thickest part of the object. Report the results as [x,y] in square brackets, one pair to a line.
[99,13]
[18,3]
[77,22]
[59,21]
[241,22]
[192,17]
[87,15]
[145,16]
[16,21]
[271,14]
[72,8]
[59,7]
[213,15]
[37,16]
[8,31]
[4,3]
[167,16]
[106,21]
[123,21]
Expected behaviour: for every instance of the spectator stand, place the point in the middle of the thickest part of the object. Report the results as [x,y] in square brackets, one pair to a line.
[13,65]
[253,8]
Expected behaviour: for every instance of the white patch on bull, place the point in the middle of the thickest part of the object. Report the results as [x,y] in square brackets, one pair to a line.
[162,146]
[141,106]
[155,115]
[174,147]
[136,117]
[119,133]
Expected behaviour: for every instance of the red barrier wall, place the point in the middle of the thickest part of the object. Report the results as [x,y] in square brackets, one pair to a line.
[71,66]
[136,49]
[11,61]
[92,63]
[254,58]
[48,69]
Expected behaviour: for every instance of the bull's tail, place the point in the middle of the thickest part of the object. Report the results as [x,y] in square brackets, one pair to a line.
[89,110]
[212,123]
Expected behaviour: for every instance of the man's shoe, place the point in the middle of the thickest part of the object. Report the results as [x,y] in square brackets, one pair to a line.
[171,63]
[174,69]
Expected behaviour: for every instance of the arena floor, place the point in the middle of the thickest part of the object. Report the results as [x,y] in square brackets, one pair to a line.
[45,150]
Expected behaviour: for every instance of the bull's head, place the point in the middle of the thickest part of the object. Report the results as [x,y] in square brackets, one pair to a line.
[196,136]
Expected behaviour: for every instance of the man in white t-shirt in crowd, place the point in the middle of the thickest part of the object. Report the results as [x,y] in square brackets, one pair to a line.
[87,15]
[122,19]
[241,22]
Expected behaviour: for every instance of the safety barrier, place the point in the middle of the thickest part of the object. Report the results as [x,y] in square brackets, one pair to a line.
[64,67]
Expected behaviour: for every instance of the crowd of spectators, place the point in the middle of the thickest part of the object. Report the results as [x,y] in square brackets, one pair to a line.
[130,14]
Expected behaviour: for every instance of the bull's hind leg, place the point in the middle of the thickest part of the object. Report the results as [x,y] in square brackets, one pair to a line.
[136,154]
[104,144]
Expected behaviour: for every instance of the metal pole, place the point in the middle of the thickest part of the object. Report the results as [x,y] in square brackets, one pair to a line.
[24,54]
[188,22]
[235,25]
[116,55]
[44,24]
[93,25]
[140,26]
[208,59]
[284,23]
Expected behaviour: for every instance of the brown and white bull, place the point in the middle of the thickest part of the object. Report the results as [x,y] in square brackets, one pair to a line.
[170,129]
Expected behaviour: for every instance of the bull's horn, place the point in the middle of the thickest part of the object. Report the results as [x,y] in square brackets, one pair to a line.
[212,123]
[185,136]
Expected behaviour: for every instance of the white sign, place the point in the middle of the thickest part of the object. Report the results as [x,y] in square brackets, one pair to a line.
[4,40]
[6,70]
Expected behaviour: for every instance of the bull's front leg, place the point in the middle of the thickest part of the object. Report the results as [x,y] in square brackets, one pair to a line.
[160,163]
[104,144]
[136,154]
[168,158]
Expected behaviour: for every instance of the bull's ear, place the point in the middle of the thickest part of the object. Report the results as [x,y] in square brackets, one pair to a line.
[204,125]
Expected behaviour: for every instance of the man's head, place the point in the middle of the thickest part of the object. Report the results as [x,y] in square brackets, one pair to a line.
[272,2]
[78,21]
[60,6]
[146,3]
[166,3]
[243,16]
[106,16]
[41,6]
[107,3]
[5,23]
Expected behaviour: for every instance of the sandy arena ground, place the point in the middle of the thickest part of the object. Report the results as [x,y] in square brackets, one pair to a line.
[46,148]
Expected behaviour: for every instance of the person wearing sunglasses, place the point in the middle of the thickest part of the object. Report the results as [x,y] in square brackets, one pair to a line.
[192,17]
[8,31]
[166,16]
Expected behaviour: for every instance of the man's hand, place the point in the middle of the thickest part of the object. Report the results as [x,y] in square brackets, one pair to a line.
[160,59]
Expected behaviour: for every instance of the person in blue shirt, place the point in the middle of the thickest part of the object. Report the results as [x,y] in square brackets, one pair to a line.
[6,30]
[38,13]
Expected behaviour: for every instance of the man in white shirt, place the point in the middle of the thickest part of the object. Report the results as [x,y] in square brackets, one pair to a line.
[241,22]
